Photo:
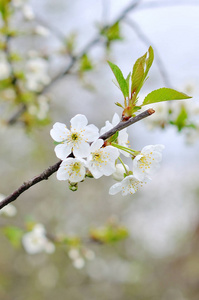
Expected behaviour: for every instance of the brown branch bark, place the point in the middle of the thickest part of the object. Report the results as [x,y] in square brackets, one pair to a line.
[52,169]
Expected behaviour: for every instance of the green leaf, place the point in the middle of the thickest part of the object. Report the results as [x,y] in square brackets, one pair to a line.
[140,71]
[112,33]
[164,94]
[120,79]
[14,234]
[138,74]
[136,108]
[85,64]
[181,120]
[149,61]
[118,104]
[109,234]
[113,137]
[127,80]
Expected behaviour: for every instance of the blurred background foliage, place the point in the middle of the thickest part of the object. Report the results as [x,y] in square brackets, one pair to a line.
[143,246]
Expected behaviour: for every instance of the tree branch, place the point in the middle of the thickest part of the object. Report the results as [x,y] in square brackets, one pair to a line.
[52,169]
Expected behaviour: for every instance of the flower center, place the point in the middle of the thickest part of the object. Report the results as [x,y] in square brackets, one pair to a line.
[145,161]
[76,167]
[133,184]
[97,157]
[74,136]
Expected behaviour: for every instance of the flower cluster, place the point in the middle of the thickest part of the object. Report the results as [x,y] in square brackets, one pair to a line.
[36,241]
[36,73]
[79,256]
[183,115]
[85,154]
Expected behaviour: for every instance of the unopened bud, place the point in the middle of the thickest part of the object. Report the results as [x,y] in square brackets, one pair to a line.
[120,171]
[73,186]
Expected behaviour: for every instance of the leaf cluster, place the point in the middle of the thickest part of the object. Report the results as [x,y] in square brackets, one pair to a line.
[132,84]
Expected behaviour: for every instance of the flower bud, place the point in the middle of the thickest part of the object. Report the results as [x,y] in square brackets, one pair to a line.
[120,171]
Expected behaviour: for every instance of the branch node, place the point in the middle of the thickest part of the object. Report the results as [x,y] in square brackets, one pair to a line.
[151,111]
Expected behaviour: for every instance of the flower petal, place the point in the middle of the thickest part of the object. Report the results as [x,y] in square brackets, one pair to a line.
[81,149]
[115,120]
[62,151]
[116,188]
[62,173]
[108,126]
[97,145]
[78,122]
[59,132]
[91,133]
[96,172]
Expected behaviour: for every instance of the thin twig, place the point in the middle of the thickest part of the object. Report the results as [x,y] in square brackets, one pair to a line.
[16,115]
[123,124]
[26,185]
[52,169]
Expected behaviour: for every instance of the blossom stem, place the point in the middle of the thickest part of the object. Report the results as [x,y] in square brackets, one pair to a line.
[126,171]
[128,150]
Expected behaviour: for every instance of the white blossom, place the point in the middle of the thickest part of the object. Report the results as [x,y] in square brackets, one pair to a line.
[41,109]
[147,162]
[28,12]
[129,185]
[72,169]
[36,241]
[101,161]
[77,259]
[119,172]
[36,72]
[8,210]
[79,263]
[122,138]
[73,253]
[41,30]
[76,139]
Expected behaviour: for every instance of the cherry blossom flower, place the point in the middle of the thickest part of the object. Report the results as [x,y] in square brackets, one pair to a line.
[147,162]
[122,138]
[36,241]
[76,139]
[36,74]
[42,31]
[28,12]
[129,185]
[101,161]
[72,169]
